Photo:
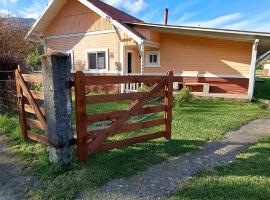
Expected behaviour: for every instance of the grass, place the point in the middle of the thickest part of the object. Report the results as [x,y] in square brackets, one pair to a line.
[262,89]
[193,124]
[259,72]
[246,178]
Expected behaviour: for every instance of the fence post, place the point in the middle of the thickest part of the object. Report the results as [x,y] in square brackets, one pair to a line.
[21,105]
[56,71]
[169,105]
[81,117]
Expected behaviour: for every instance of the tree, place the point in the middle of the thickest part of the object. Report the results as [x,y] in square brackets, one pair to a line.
[13,52]
[13,46]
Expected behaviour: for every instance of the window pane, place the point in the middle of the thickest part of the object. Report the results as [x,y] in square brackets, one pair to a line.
[92,60]
[151,59]
[154,58]
[101,60]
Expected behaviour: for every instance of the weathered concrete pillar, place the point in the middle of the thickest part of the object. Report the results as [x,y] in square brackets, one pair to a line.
[56,69]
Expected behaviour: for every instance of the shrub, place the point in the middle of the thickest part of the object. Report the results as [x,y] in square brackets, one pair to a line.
[183,96]
[33,60]
[264,105]
[144,88]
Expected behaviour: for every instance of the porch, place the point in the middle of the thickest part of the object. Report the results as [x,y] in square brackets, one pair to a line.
[146,60]
[135,58]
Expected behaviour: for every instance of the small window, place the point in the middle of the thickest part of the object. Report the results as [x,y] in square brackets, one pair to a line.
[153,59]
[97,60]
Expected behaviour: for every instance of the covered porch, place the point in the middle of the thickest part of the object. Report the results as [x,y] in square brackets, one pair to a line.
[136,58]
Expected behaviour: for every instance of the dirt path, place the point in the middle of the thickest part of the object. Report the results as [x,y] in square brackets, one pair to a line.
[164,179]
[14,184]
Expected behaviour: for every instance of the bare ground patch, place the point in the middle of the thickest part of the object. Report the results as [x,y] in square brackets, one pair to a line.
[15,183]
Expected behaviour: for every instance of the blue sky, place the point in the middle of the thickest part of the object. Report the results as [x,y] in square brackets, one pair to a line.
[231,14]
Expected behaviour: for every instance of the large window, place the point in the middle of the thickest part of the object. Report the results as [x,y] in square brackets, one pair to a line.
[152,59]
[97,60]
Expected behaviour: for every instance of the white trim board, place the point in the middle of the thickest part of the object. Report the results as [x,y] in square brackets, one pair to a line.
[80,34]
[201,75]
[51,4]
[239,32]
[147,59]
[42,21]
[114,22]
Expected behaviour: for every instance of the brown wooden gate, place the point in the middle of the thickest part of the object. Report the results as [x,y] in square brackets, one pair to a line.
[93,141]
[31,108]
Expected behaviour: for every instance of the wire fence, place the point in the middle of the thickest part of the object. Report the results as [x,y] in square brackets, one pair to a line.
[8,98]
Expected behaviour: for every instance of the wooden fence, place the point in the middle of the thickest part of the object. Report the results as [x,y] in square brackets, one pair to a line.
[31,108]
[93,141]
[33,120]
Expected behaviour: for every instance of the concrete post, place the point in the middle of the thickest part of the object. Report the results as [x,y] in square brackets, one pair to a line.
[56,69]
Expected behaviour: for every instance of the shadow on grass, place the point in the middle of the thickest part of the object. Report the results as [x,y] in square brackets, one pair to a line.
[102,167]
[262,89]
[246,178]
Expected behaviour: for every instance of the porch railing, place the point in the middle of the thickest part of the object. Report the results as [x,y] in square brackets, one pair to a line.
[131,87]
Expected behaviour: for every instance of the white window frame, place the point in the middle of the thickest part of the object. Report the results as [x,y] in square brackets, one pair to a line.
[148,64]
[106,50]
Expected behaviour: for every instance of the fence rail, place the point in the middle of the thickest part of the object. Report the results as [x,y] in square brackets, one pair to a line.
[93,141]
[90,141]
[27,102]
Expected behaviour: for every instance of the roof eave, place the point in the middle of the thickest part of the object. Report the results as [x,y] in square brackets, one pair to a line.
[116,23]
[54,5]
[209,30]
[58,4]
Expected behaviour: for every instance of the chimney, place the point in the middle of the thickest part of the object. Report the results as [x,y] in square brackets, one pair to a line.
[166,13]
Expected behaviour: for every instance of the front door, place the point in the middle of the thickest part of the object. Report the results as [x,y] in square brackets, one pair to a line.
[129,62]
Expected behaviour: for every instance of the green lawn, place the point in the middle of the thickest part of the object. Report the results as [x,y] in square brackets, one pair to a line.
[193,124]
[246,178]
[259,72]
[262,89]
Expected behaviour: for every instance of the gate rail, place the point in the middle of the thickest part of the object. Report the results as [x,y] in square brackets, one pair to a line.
[31,115]
[90,142]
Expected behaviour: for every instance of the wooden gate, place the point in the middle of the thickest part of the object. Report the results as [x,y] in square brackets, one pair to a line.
[93,141]
[31,108]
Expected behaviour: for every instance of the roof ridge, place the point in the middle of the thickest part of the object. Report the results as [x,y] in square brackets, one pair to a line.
[113,12]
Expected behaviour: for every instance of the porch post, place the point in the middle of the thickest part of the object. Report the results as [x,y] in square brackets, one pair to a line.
[253,70]
[122,55]
[142,57]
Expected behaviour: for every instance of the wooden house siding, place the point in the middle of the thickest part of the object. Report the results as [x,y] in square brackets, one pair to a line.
[136,62]
[78,29]
[74,17]
[80,45]
[148,33]
[198,55]
[128,41]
